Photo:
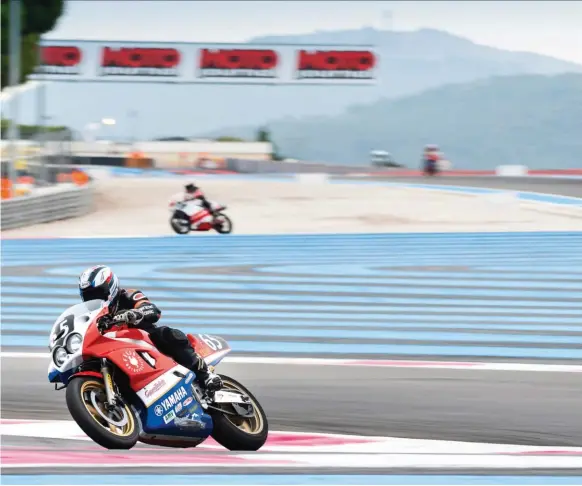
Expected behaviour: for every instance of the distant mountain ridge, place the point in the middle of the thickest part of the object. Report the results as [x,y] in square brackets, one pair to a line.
[532,120]
[431,44]
[410,62]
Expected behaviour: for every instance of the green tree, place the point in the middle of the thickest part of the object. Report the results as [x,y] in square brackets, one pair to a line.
[28,131]
[37,17]
[227,138]
[264,135]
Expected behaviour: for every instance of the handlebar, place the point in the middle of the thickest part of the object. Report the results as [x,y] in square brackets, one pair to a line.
[105,323]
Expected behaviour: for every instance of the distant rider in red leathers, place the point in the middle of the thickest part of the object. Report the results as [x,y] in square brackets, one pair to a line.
[193,192]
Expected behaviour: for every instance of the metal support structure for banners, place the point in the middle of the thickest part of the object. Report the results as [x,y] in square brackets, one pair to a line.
[132,116]
[41,120]
[13,79]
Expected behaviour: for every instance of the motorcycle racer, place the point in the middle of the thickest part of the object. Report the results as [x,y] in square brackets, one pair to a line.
[132,307]
[193,192]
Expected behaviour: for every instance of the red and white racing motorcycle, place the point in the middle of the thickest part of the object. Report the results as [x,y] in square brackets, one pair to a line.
[192,216]
[120,389]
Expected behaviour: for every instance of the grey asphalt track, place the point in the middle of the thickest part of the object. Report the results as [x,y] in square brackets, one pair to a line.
[483,406]
[546,185]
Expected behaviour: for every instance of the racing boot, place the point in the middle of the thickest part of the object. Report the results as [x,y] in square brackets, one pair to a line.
[208,381]
[174,343]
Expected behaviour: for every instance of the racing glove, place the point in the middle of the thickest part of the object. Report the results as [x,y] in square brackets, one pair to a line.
[104,323]
[130,317]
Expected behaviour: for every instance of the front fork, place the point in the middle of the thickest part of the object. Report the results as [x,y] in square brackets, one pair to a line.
[108,380]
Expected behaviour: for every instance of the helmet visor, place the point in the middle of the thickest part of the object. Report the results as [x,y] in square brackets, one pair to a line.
[92,293]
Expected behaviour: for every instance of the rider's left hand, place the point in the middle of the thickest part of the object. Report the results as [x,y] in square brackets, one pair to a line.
[104,323]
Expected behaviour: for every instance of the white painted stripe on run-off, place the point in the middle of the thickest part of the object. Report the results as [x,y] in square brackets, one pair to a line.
[371,363]
[346,460]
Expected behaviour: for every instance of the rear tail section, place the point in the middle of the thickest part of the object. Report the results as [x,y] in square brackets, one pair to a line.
[212,349]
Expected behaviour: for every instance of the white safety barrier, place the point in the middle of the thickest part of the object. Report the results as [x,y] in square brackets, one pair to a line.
[47,204]
[512,170]
[98,173]
[315,178]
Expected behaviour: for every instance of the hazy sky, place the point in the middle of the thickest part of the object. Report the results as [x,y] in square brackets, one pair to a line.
[547,27]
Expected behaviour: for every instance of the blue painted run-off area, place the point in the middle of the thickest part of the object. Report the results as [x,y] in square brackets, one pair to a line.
[288,480]
[448,295]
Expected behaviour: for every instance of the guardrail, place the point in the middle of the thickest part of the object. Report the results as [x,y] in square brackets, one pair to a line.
[47,204]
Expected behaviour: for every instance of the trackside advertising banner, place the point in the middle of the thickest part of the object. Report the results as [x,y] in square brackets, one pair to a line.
[103,61]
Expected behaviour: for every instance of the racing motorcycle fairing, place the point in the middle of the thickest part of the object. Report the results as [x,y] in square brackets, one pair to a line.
[200,218]
[73,321]
[166,398]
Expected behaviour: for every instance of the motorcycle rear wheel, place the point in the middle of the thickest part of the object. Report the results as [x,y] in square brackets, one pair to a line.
[238,433]
[111,429]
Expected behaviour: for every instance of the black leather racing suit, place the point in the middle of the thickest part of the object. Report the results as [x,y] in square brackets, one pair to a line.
[169,341]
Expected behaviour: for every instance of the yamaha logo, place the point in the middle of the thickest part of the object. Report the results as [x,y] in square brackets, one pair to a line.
[159,410]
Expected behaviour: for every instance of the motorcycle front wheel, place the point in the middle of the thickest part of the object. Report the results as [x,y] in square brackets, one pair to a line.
[235,432]
[115,428]
[223,224]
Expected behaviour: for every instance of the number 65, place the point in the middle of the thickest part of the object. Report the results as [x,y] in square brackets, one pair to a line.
[211,342]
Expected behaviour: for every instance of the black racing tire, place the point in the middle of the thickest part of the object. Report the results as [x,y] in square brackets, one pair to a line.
[229,435]
[179,229]
[78,409]
[224,229]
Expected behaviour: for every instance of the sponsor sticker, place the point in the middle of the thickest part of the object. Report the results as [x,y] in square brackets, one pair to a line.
[155,391]
[132,362]
[178,408]
[189,378]
[169,417]
[172,400]
[188,401]
[158,410]
[154,387]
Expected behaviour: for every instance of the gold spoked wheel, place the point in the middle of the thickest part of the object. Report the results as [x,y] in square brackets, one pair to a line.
[112,428]
[240,432]
[118,420]
[250,425]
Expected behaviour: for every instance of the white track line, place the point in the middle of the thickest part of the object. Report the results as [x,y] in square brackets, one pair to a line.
[342,461]
[341,452]
[311,441]
[371,363]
